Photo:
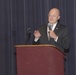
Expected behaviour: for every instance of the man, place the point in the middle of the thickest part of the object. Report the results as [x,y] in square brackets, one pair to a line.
[57,35]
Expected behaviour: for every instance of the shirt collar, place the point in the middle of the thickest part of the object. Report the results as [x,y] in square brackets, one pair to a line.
[54,25]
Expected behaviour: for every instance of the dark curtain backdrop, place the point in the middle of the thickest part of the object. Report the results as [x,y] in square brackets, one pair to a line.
[18,16]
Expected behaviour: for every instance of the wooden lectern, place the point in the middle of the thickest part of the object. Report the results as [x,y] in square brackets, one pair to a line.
[39,60]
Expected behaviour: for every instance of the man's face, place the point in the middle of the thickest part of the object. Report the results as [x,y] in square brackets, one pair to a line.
[53,16]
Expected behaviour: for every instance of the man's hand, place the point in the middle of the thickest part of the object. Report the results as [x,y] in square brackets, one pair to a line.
[53,35]
[37,34]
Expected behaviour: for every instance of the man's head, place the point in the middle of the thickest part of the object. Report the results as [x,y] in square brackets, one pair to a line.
[54,15]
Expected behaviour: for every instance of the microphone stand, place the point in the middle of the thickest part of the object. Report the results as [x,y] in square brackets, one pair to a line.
[28,35]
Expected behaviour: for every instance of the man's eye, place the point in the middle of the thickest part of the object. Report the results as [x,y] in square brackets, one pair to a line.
[54,16]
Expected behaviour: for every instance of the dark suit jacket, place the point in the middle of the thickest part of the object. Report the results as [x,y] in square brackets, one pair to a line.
[62,33]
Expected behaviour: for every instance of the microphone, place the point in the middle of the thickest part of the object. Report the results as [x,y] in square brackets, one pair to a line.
[49,28]
[29,30]
[28,33]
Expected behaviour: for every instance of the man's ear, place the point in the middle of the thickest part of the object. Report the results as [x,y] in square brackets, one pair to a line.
[58,17]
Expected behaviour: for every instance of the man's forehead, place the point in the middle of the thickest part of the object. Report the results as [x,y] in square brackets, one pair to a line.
[53,11]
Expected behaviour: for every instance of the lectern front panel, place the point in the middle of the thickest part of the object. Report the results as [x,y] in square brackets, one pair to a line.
[39,60]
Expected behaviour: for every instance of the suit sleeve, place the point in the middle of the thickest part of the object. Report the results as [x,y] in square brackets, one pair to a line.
[64,39]
[36,43]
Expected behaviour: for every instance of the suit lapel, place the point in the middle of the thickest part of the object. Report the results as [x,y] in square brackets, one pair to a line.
[57,28]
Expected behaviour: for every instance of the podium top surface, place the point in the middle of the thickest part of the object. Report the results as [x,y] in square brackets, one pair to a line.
[46,45]
[33,45]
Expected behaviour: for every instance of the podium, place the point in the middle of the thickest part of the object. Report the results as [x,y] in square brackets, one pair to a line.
[39,60]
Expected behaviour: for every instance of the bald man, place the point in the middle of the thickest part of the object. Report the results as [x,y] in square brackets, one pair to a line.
[53,33]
